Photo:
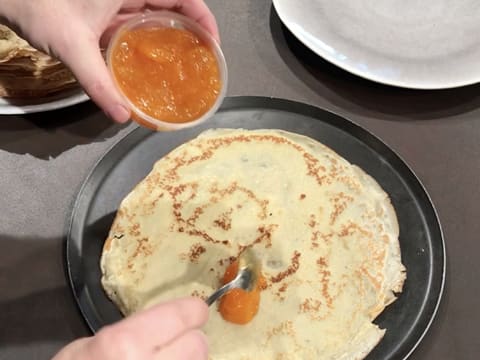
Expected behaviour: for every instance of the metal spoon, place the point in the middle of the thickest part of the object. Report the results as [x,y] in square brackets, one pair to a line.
[246,279]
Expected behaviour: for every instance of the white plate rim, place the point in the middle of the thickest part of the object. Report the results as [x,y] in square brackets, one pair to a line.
[59,101]
[424,85]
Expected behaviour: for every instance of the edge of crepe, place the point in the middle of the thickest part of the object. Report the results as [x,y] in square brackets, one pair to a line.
[395,283]
[369,338]
[364,343]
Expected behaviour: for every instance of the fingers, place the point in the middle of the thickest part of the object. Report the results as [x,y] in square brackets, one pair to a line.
[194,9]
[74,350]
[190,346]
[82,55]
[166,331]
[113,26]
[199,11]
[163,323]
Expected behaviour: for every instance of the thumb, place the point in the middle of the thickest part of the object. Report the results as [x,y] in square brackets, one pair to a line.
[83,56]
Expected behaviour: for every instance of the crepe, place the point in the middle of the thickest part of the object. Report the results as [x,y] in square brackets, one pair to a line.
[26,72]
[325,231]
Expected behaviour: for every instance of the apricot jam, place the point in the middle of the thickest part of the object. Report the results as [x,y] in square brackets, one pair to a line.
[169,74]
[239,306]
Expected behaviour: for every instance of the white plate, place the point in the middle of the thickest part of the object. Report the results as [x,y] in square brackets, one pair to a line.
[418,44]
[64,99]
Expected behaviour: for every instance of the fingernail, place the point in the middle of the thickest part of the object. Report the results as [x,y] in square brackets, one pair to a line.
[119,113]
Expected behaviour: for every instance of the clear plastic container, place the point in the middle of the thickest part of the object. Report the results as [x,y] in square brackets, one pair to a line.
[173,20]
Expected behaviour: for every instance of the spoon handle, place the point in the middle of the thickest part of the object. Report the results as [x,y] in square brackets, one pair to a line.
[220,292]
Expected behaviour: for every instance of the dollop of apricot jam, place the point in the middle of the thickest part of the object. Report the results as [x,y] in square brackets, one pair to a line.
[239,306]
[170,74]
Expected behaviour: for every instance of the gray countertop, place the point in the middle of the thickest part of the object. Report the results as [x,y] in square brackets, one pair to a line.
[45,157]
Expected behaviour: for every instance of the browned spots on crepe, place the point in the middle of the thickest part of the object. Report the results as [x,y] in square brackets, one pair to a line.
[313,308]
[206,237]
[373,280]
[199,210]
[314,169]
[135,230]
[324,280]
[292,269]
[326,238]
[196,250]
[265,236]
[285,328]
[281,291]
[227,261]
[199,294]
[310,306]
[314,239]
[351,228]
[225,220]
[220,193]
[143,247]
[350,182]
[340,202]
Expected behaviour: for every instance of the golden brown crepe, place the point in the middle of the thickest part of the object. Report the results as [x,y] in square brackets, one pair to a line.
[26,72]
[325,231]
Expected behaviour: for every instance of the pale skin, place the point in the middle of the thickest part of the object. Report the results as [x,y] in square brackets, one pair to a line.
[165,332]
[74,30]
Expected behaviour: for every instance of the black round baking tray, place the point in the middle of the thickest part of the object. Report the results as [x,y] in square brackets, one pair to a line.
[127,162]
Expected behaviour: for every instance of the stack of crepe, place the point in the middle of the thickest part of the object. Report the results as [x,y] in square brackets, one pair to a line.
[26,72]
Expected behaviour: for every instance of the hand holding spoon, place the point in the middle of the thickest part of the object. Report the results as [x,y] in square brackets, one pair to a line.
[246,279]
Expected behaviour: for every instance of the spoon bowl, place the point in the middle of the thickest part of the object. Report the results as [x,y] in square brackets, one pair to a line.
[246,279]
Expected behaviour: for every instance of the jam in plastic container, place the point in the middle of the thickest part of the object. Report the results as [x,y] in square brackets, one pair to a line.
[170,70]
